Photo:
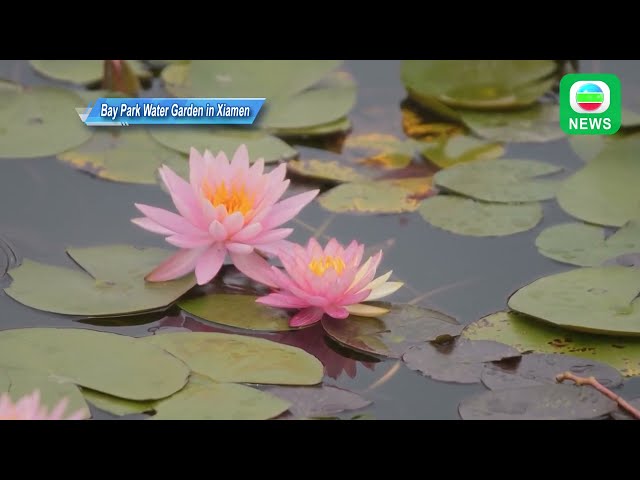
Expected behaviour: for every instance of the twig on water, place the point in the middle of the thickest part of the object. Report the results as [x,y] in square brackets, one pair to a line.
[633,411]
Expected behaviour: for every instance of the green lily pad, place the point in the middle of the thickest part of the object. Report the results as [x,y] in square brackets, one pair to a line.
[112,283]
[462,361]
[367,198]
[465,216]
[393,333]
[81,71]
[216,139]
[39,121]
[319,402]
[500,180]
[605,190]
[530,335]
[18,382]
[116,405]
[327,170]
[109,363]
[241,359]
[585,245]
[239,311]
[626,260]
[587,147]
[129,155]
[337,126]
[543,402]
[593,299]
[219,401]
[461,149]
[383,150]
[481,84]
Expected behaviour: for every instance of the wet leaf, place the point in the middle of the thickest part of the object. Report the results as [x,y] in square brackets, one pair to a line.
[219,401]
[392,334]
[82,71]
[39,121]
[595,299]
[620,414]
[130,156]
[418,188]
[239,311]
[414,125]
[322,401]
[585,245]
[115,405]
[338,126]
[587,147]
[530,335]
[461,149]
[626,260]
[543,402]
[367,198]
[236,358]
[462,361]
[216,139]
[112,283]
[327,170]
[465,216]
[481,84]
[109,363]
[538,369]
[382,150]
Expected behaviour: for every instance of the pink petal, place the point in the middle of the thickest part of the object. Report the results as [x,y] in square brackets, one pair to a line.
[272,236]
[306,317]
[274,248]
[353,254]
[176,266]
[150,225]
[271,196]
[290,284]
[254,267]
[334,249]
[188,241]
[233,223]
[209,264]
[240,159]
[257,168]
[197,168]
[287,209]
[183,196]
[239,248]
[217,231]
[336,312]
[169,220]
[353,298]
[369,274]
[314,249]
[281,300]
[247,233]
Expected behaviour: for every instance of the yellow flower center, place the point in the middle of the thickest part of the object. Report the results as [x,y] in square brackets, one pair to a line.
[237,199]
[320,265]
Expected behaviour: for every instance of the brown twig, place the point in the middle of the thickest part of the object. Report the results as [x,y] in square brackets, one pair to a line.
[602,389]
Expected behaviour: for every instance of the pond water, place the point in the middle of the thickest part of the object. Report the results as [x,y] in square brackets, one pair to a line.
[47,206]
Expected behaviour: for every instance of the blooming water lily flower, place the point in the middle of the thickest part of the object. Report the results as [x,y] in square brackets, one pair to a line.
[328,281]
[29,408]
[225,208]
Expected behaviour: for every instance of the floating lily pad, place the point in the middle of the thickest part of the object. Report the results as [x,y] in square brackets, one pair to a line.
[393,333]
[462,361]
[81,71]
[587,147]
[530,335]
[115,405]
[605,190]
[539,369]
[112,284]
[367,198]
[219,401]
[236,358]
[18,382]
[465,216]
[240,311]
[418,188]
[40,121]
[322,401]
[125,156]
[543,402]
[338,126]
[216,139]
[91,96]
[109,363]
[326,170]
[500,180]
[596,299]
[382,150]
[585,245]
[620,414]
[414,125]
[626,260]
[461,149]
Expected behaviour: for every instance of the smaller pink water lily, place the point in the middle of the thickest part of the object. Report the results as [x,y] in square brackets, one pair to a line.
[328,281]
[30,408]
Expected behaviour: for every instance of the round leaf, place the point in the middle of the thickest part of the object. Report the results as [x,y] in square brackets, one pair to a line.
[383,150]
[465,216]
[328,170]
[587,147]
[367,198]
[109,363]
[116,405]
[626,260]
[322,401]
[236,358]
[81,71]
[461,149]
[338,126]
[596,299]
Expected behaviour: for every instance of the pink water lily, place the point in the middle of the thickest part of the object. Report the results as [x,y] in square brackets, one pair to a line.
[29,407]
[225,208]
[328,281]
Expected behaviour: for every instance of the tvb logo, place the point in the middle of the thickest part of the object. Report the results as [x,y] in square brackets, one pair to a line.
[590,104]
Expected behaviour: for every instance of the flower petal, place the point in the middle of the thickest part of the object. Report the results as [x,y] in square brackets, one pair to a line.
[240,248]
[282,300]
[254,267]
[287,209]
[233,223]
[150,225]
[169,220]
[217,231]
[176,266]
[197,168]
[247,233]
[307,316]
[188,241]
[183,196]
[363,310]
[336,312]
[275,248]
[209,264]
[272,236]
[384,290]
[240,159]
[380,280]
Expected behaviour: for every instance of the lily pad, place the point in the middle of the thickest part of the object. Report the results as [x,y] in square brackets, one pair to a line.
[587,147]
[109,363]
[239,311]
[481,84]
[383,150]
[338,126]
[500,180]
[91,96]
[219,401]
[623,415]
[115,405]
[415,125]
[605,190]
[626,260]
[112,283]
[461,149]
[418,188]
[241,359]
[39,121]
[367,198]
[465,216]
[543,402]
[585,245]
[81,71]
[530,335]
[331,171]
[322,401]
[216,139]
[394,333]
[125,156]
[539,368]
[462,361]
[595,299]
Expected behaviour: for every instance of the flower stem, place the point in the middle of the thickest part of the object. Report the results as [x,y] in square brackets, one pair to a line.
[633,411]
